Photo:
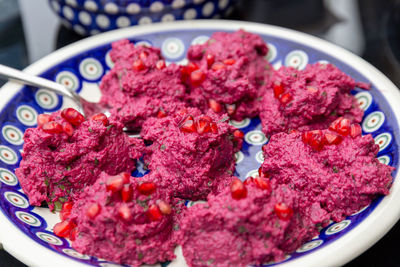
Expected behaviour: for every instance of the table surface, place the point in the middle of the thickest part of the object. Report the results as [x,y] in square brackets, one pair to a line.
[377,40]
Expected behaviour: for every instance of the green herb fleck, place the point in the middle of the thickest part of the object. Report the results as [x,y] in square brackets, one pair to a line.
[140,255]
[324,94]
[162,147]
[335,169]
[209,183]
[109,127]
[96,161]
[176,227]
[68,168]
[242,229]
[62,150]
[138,241]
[90,130]
[57,205]
[62,187]
[210,261]
[46,182]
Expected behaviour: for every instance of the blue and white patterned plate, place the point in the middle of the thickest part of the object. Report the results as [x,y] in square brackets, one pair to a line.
[26,231]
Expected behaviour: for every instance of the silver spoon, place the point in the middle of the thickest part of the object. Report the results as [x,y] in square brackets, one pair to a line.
[85,107]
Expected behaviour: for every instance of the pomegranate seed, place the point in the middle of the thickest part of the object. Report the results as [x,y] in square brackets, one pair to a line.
[262,174]
[215,106]
[191,66]
[188,125]
[101,117]
[203,126]
[43,119]
[161,114]
[238,134]
[207,118]
[73,234]
[154,213]
[283,211]
[249,180]
[355,130]
[115,183]
[218,66]
[314,138]
[160,64]
[197,77]
[52,127]
[210,60]
[262,183]
[125,213]
[146,188]
[229,61]
[238,189]
[138,65]
[68,128]
[126,193]
[93,210]
[214,127]
[332,138]
[341,125]
[143,55]
[72,116]
[230,109]
[67,205]
[64,214]
[278,90]
[164,207]
[285,98]
[63,228]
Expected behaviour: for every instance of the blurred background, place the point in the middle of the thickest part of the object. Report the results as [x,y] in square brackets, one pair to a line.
[30,30]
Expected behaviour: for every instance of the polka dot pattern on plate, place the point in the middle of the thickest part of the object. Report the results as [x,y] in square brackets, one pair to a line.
[373,121]
[337,227]
[12,134]
[75,254]
[68,12]
[222,4]
[85,18]
[383,140]
[46,99]
[71,3]
[68,79]
[55,5]
[156,7]
[28,218]
[91,6]
[133,8]
[240,124]
[208,9]
[255,137]
[310,245]
[239,157]
[16,199]
[297,59]
[51,239]
[200,40]
[79,29]
[123,22]
[364,99]
[102,21]
[7,177]
[272,52]
[168,17]
[172,48]
[144,21]
[111,8]
[260,157]
[27,115]
[191,13]
[91,69]
[178,4]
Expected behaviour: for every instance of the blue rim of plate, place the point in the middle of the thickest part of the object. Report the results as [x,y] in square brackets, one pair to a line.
[87,66]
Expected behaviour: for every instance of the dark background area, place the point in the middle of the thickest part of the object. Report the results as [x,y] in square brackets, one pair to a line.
[380,21]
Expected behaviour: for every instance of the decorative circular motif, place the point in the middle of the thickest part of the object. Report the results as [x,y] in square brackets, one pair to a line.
[255,137]
[28,218]
[200,40]
[85,18]
[102,21]
[260,157]
[8,177]
[16,200]
[13,135]
[297,59]
[68,12]
[133,8]
[364,99]
[192,203]
[56,6]
[240,124]
[51,239]
[191,13]
[75,254]
[68,79]
[172,48]
[178,4]
[167,17]
[108,60]
[360,211]
[111,8]
[145,20]
[385,159]
[156,7]
[252,173]
[91,69]
[27,115]
[123,22]
[222,4]
[90,5]
[46,99]
[310,245]
[337,227]
[79,29]
[7,155]
[71,3]
[208,9]
[373,121]
[144,43]
[272,52]
[239,157]
[383,140]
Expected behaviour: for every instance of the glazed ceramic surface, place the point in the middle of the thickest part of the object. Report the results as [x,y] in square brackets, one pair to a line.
[26,231]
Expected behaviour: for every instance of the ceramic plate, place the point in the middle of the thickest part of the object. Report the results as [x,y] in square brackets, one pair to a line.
[26,231]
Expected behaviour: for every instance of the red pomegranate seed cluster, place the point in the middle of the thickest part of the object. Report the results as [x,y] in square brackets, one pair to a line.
[283,211]
[67,227]
[238,189]
[340,128]
[202,125]
[279,93]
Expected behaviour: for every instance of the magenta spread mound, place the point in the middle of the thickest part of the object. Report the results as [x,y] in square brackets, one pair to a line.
[244,224]
[192,153]
[226,72]
[308,99]
[140,85]
[65,153]
[126,220]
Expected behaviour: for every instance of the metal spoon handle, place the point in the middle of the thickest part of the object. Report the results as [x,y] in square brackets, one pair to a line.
[24,78]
